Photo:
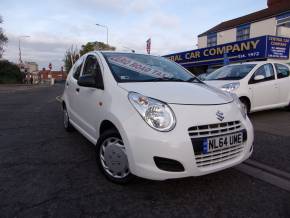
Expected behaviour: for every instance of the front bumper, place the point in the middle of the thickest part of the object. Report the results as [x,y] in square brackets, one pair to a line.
[144,143]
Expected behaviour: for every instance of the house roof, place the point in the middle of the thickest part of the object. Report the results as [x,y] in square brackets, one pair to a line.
[250,18]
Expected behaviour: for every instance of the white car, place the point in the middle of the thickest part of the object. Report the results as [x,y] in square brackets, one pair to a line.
[259,85]
[151,118]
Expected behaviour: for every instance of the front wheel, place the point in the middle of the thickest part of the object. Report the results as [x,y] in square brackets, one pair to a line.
[112,158]
[246,105]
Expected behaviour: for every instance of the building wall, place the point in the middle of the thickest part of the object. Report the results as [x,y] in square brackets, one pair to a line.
[202,42]
[283,31]
[226,36]
[264,27]
[260,28]
[57,75]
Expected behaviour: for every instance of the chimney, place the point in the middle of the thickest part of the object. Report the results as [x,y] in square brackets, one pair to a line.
[272,3]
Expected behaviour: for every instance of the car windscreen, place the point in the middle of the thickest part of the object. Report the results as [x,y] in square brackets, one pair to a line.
[128,67]
[231,72]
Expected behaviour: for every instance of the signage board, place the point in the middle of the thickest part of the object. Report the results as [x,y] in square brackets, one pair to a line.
[278,47]
[251,49]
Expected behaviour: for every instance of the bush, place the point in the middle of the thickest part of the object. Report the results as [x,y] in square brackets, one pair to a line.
[9,73]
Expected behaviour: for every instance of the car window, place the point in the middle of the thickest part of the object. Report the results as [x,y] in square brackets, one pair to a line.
[92,66]
[282,71]
[77,69]
[267,71]
[146,68]
[231,72]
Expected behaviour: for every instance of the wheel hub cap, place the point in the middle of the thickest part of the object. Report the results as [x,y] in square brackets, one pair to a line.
[114,158]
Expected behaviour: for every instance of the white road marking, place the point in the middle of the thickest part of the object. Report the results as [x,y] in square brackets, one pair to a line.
[59,99]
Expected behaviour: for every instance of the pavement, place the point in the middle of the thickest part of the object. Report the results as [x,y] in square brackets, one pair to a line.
[47,172]
[11,88]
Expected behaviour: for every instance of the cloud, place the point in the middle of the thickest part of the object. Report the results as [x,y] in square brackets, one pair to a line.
[165,21]
[40,48]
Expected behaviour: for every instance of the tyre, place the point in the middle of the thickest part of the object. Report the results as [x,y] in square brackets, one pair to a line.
[66,123]
[112,158]
[245,105]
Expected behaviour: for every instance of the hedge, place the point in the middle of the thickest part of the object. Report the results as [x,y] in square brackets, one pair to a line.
[9,73]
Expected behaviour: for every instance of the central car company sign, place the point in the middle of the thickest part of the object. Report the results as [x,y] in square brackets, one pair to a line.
[251,49]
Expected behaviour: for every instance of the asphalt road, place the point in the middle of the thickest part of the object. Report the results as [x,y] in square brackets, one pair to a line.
[47,172]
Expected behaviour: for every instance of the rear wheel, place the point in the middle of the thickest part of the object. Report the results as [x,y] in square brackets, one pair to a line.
[112,158]
[66,123]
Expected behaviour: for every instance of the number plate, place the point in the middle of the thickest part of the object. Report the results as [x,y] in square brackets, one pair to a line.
[222,142]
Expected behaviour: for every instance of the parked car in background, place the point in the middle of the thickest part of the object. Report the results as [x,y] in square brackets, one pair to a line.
[202,76]
[259,85]
[150,117]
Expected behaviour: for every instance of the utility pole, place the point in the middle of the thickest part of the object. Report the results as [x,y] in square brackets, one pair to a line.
[104,26]
[19,47]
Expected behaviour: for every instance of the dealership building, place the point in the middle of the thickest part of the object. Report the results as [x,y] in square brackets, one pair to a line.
[262,35]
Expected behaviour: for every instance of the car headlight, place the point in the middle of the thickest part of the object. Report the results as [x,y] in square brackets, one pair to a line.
[240,105]
[156,114]
[231,87]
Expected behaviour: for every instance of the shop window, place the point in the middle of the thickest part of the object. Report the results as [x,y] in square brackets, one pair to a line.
[243,32]
[212,40]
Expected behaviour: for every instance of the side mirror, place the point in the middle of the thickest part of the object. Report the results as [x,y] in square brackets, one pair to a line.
[87,81]
[259,77]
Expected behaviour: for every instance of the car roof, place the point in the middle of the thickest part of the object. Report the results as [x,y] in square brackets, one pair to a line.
[259,62]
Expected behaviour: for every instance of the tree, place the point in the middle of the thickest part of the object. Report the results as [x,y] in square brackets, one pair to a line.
[73,54]
[3,39]
[92,46]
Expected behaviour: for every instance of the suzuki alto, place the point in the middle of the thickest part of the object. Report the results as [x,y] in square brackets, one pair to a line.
[151,118]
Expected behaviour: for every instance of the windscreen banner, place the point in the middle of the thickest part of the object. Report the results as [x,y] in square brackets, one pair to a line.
[252,49]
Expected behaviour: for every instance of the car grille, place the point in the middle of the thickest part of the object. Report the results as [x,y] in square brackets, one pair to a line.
[199,134]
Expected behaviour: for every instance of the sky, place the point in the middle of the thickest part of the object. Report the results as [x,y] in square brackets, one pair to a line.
[54,26]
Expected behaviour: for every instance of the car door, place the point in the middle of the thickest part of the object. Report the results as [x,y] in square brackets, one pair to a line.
[283,82]
[71,86]
[90,99]
[264,92]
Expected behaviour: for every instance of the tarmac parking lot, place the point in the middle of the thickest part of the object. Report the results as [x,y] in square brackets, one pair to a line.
[47,172]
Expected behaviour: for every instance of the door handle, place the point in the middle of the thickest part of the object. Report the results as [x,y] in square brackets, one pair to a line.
[77,89]
[67,84]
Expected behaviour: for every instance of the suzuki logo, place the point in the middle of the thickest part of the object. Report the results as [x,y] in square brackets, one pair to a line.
[220,115]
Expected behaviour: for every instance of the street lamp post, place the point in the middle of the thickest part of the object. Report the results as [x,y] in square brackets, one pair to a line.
[107,31]
[19,47]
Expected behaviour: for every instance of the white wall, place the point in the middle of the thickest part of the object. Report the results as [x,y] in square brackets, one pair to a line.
[283,31]
[202,42]
[226,36]
[264,27]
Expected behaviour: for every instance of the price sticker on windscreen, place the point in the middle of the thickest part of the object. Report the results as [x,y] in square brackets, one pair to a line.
[139,67]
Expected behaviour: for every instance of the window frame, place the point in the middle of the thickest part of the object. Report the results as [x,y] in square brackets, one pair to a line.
[252,81]
[277,72]
[212,40]
[99,74]
[75,68]
[241,34]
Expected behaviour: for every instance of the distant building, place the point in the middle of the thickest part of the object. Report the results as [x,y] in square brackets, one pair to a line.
[31,67]
[262,35]
[57,75]
[274,21]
